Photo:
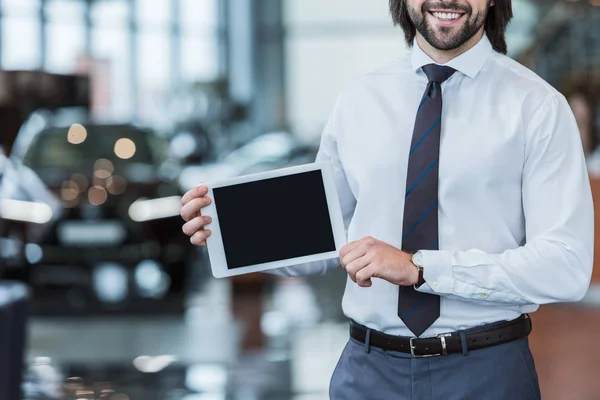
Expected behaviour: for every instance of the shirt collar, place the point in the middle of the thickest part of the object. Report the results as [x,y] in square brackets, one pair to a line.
[469,63]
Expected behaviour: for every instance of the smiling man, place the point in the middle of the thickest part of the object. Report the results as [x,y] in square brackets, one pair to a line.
[464,189]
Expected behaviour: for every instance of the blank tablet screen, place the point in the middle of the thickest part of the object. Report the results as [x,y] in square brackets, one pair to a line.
[274,219]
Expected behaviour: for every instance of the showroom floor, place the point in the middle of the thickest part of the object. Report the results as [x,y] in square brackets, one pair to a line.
[197,357]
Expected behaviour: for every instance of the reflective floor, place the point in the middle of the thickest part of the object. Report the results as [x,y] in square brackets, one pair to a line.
[196,356]
[199,356]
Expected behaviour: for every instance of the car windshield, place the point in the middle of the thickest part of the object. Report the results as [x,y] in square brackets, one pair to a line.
[79,148]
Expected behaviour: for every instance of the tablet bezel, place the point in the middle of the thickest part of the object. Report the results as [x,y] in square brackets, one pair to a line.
[214,242]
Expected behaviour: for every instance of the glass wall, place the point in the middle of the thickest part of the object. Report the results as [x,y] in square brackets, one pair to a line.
[111,50]
[138,52]
[64,35]
[198,42]
[20,29]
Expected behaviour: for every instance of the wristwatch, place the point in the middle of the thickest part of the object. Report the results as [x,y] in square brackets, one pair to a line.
[417,260]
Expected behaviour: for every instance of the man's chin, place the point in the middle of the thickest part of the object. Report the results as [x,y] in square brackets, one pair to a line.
[443,39]
[442,43]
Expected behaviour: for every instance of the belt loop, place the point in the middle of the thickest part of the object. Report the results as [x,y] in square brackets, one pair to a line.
[368,341]
[463,342]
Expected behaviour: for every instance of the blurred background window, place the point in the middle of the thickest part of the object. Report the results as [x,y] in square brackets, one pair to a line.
[110,13]
[112,55]
[21,8]
[21,34]
[199,44]
[138,55]
[177,44]
[154,67]
[154,13]
[153,74]
[65,35]
[325,48]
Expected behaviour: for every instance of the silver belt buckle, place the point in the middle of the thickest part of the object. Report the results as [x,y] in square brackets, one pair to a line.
[444,352]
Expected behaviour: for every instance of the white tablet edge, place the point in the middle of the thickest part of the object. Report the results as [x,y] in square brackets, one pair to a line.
[216,252]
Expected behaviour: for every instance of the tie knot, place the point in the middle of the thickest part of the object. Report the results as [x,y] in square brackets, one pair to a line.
[438,73]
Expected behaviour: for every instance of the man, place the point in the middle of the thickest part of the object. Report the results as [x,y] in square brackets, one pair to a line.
[467,203]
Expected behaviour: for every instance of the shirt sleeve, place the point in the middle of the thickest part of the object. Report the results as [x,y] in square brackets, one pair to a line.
[555,264]
[328,152]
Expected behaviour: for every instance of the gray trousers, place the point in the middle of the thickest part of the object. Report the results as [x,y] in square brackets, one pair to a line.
[503,372]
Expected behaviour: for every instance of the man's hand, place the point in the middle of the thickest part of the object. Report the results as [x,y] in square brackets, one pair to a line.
[193,201]
[370,258]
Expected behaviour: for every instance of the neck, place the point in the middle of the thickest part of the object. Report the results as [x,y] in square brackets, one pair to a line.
[443,56]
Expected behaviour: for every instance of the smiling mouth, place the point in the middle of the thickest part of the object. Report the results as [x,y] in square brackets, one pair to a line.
[446,16]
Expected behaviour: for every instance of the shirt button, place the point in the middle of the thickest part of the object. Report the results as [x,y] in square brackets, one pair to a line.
[483,294]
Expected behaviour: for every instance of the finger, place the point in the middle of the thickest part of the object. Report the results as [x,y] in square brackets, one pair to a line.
[355,266]
[365,242]
[363,277]
[192,208]
[354,254]
[193,193]
[195,225]
[348,248]
[200,237]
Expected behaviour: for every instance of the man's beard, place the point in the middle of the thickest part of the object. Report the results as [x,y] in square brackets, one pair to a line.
[443,40]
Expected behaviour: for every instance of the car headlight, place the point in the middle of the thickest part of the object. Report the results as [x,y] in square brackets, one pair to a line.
[146,210]
[26,211]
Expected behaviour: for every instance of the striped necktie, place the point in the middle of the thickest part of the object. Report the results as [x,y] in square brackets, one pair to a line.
[420,227]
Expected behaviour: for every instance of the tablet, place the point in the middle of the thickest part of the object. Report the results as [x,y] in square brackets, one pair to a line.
[274,219]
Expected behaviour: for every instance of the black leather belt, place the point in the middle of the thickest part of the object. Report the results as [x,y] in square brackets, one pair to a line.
[450,343]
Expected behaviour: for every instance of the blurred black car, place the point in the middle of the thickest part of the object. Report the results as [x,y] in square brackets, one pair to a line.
[90,215]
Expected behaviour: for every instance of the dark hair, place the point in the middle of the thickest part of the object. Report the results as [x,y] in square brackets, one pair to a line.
[497,20]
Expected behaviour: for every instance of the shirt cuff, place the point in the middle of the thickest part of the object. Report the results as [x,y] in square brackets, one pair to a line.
[437,270]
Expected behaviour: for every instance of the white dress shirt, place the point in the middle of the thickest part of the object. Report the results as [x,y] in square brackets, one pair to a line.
[516,223]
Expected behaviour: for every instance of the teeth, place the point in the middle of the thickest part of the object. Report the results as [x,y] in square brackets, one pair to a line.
[446,16]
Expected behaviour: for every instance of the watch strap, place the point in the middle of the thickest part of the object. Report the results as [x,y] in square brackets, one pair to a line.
[421,280]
